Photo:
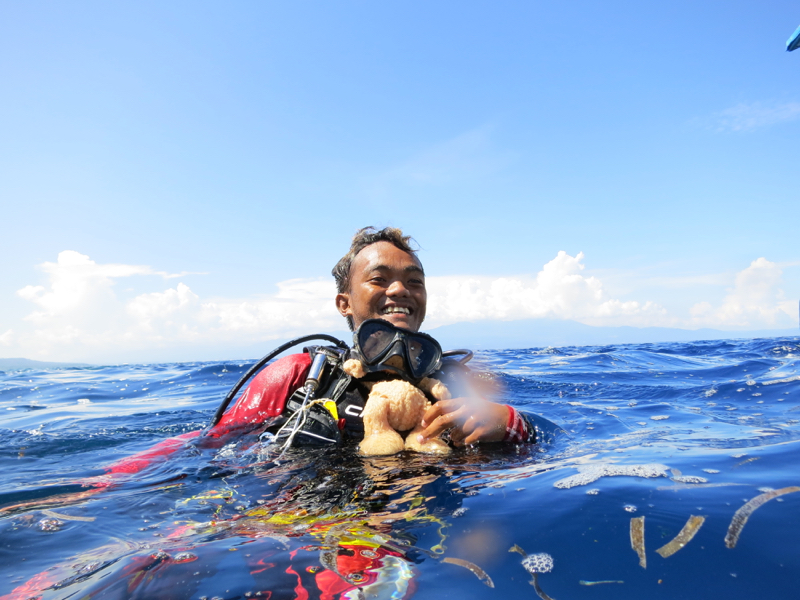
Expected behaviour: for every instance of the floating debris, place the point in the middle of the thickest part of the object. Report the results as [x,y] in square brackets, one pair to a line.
[637,539]
[584,582]
[744,462]
[590,473]
[683,486]
[476,570]
[630,508]
[55,515]
[685,536]
[740,517]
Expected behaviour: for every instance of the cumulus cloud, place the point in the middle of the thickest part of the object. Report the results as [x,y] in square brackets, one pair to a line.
[756,300]
[559,291]
[77,308]
[748,117]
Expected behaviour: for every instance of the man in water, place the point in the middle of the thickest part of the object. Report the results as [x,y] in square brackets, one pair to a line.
[382,278]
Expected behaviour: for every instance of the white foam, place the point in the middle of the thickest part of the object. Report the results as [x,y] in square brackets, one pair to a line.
[538,563]
[690,479]
[590,473]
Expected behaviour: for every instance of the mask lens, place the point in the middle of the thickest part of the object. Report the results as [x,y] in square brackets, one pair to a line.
[373,339]
[421,356]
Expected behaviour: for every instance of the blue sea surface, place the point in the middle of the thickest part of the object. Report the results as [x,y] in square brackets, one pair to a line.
[647,437]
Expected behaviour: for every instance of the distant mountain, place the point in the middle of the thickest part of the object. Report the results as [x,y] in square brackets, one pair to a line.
[18,364]
[540,333]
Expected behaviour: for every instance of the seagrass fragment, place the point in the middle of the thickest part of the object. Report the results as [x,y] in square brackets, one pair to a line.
[55,515]
[740,516]
[476,570]
[637,539]
[684,536]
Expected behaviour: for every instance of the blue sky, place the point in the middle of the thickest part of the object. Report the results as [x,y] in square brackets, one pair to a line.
[177,179]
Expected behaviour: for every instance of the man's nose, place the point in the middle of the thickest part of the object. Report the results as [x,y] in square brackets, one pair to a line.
[397,288]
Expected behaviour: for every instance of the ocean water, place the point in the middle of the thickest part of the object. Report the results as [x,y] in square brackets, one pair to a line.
[652,440]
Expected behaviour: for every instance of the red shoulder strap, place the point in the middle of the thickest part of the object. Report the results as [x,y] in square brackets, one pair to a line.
[266,395]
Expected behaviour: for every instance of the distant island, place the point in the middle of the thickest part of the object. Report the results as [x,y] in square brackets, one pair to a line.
[540,333]
[20,364]
[479,335]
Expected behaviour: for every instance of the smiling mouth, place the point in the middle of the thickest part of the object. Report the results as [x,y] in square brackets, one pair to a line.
[390,310]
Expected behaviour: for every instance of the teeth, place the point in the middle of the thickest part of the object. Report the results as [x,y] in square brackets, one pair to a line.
[396,309]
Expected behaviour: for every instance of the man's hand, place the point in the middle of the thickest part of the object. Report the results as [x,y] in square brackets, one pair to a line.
[469,420]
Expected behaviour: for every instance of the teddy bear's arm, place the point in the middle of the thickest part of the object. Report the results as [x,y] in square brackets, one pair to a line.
[435,388]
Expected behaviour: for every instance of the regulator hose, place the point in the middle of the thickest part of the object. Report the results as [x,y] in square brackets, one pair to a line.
[257,367]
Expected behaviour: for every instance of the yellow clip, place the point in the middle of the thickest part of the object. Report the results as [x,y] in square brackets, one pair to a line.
[331,406]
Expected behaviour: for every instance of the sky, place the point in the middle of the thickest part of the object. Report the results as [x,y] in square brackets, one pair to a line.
[178,179]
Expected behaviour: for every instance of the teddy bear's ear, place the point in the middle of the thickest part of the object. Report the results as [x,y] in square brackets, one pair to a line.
[435,388]
[354,368]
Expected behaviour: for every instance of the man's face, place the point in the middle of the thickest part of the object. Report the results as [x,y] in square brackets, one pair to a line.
[385,283]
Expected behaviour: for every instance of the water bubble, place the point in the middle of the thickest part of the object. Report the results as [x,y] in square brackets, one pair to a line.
[712,471]
[50,525]
[630,508]
[89,568]
[659,417]
[182,557]
[538,563]
[593,492]
[460,512]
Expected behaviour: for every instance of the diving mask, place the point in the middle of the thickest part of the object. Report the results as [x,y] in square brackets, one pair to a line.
[377,341]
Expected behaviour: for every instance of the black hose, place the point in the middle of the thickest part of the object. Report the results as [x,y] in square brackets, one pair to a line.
[257,367]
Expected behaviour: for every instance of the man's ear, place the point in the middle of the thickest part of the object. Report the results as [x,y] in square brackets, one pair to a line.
[343,305]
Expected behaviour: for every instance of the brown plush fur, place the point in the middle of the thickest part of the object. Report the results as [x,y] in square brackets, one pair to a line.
[397,406]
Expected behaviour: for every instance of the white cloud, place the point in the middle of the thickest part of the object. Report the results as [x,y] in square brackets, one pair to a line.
[756,300]
[77,315]
[747,117]
[558,291]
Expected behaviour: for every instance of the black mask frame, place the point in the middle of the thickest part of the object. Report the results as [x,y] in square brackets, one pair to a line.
[377,340]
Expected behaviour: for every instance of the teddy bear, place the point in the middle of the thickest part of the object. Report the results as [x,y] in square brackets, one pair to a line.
[396,406]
